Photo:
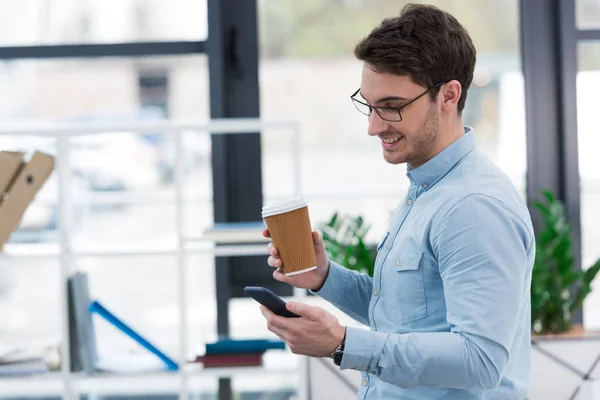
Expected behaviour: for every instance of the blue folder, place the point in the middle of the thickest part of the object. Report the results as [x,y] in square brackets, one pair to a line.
[96,307]
[244,346]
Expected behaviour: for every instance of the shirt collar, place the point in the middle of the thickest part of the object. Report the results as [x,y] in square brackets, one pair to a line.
[433,170]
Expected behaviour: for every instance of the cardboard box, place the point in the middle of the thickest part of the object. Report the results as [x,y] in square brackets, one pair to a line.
[20,181]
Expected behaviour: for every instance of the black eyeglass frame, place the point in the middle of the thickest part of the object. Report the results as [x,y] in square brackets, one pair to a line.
[397,109]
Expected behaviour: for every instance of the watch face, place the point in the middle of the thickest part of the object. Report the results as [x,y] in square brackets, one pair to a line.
[337,358]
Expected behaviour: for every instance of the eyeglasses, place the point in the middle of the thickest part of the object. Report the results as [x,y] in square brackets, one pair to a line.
[391,114]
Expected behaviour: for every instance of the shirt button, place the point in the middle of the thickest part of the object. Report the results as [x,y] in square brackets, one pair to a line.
[409,201]
[425,186]
[388,245]
[376,292]
[365,382]
[397,263]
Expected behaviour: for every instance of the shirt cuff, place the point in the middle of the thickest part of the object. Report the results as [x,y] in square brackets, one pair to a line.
[331,289]
[362,349]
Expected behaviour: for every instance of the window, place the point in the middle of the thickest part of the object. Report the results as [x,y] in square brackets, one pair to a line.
[104,90]
[72,21]
[308,71]
[587,14]
[588,84]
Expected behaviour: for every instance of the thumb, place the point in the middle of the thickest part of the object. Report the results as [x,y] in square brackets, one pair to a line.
[318,241]
[304,310]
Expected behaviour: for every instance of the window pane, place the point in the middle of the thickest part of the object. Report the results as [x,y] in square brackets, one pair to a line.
[587,14]
[112,89]
[113,21]
[588,85]
[589,56]
[308,72]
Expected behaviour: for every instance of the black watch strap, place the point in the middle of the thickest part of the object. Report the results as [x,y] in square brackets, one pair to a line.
[338,353]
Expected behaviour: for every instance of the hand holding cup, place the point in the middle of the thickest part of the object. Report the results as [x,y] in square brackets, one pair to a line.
[298,253]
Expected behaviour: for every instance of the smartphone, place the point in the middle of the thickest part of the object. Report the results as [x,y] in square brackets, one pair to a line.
[270,300]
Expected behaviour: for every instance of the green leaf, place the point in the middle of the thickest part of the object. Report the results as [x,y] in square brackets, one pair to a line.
[344,241]
[554,278]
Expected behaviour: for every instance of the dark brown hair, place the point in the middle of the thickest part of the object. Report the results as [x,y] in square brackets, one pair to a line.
[425,43]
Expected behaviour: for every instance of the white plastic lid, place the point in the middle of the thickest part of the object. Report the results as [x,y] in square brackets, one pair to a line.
[283,207]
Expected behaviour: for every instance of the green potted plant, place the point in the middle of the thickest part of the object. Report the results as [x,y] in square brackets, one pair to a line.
[557,289]
[344,238]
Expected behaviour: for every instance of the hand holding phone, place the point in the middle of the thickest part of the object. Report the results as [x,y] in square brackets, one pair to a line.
[270,300]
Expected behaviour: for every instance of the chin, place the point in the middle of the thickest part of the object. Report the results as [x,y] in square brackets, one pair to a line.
[392,158]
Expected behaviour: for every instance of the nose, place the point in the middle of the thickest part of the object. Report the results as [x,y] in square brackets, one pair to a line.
[376,124]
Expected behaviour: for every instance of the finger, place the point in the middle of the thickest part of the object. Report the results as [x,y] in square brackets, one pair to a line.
[316,236]
[266,233]
[278,275]
[304,310]
[274,262]
[266,312]
[273,327]
[281,333]
[273,319]
[318,240]
[272,250]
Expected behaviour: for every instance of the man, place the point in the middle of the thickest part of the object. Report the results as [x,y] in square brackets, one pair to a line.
[448,306]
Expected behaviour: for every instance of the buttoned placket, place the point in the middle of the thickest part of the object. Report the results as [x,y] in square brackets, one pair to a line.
[395,227]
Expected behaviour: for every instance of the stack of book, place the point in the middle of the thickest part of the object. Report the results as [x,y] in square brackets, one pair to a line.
[29,360]
[237,353]
[236,232]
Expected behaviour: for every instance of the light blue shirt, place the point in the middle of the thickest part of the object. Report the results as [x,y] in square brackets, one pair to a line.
[449,302]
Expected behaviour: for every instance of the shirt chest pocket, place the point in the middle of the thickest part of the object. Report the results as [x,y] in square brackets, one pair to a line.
[404,285]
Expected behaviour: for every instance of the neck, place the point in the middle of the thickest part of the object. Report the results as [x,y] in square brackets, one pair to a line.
[448,134]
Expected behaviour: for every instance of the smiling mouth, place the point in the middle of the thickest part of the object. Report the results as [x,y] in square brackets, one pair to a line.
[391,140]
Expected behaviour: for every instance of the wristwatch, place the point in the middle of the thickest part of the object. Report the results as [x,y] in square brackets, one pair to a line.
[338,353]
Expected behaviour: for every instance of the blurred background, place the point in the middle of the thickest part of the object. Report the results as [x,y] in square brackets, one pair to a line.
[126,61]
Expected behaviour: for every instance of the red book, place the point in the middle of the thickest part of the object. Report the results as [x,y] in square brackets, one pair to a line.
[230,360]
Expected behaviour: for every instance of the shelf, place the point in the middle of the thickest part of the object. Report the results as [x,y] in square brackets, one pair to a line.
[148,382]
[50,250]
[248,378]
[199,372]
[170,382]
[30,250]
[107,383]
[47,384]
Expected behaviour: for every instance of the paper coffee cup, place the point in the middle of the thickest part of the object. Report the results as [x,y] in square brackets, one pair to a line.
[291,233]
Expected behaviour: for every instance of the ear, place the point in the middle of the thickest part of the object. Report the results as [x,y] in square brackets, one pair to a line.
[449,95]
